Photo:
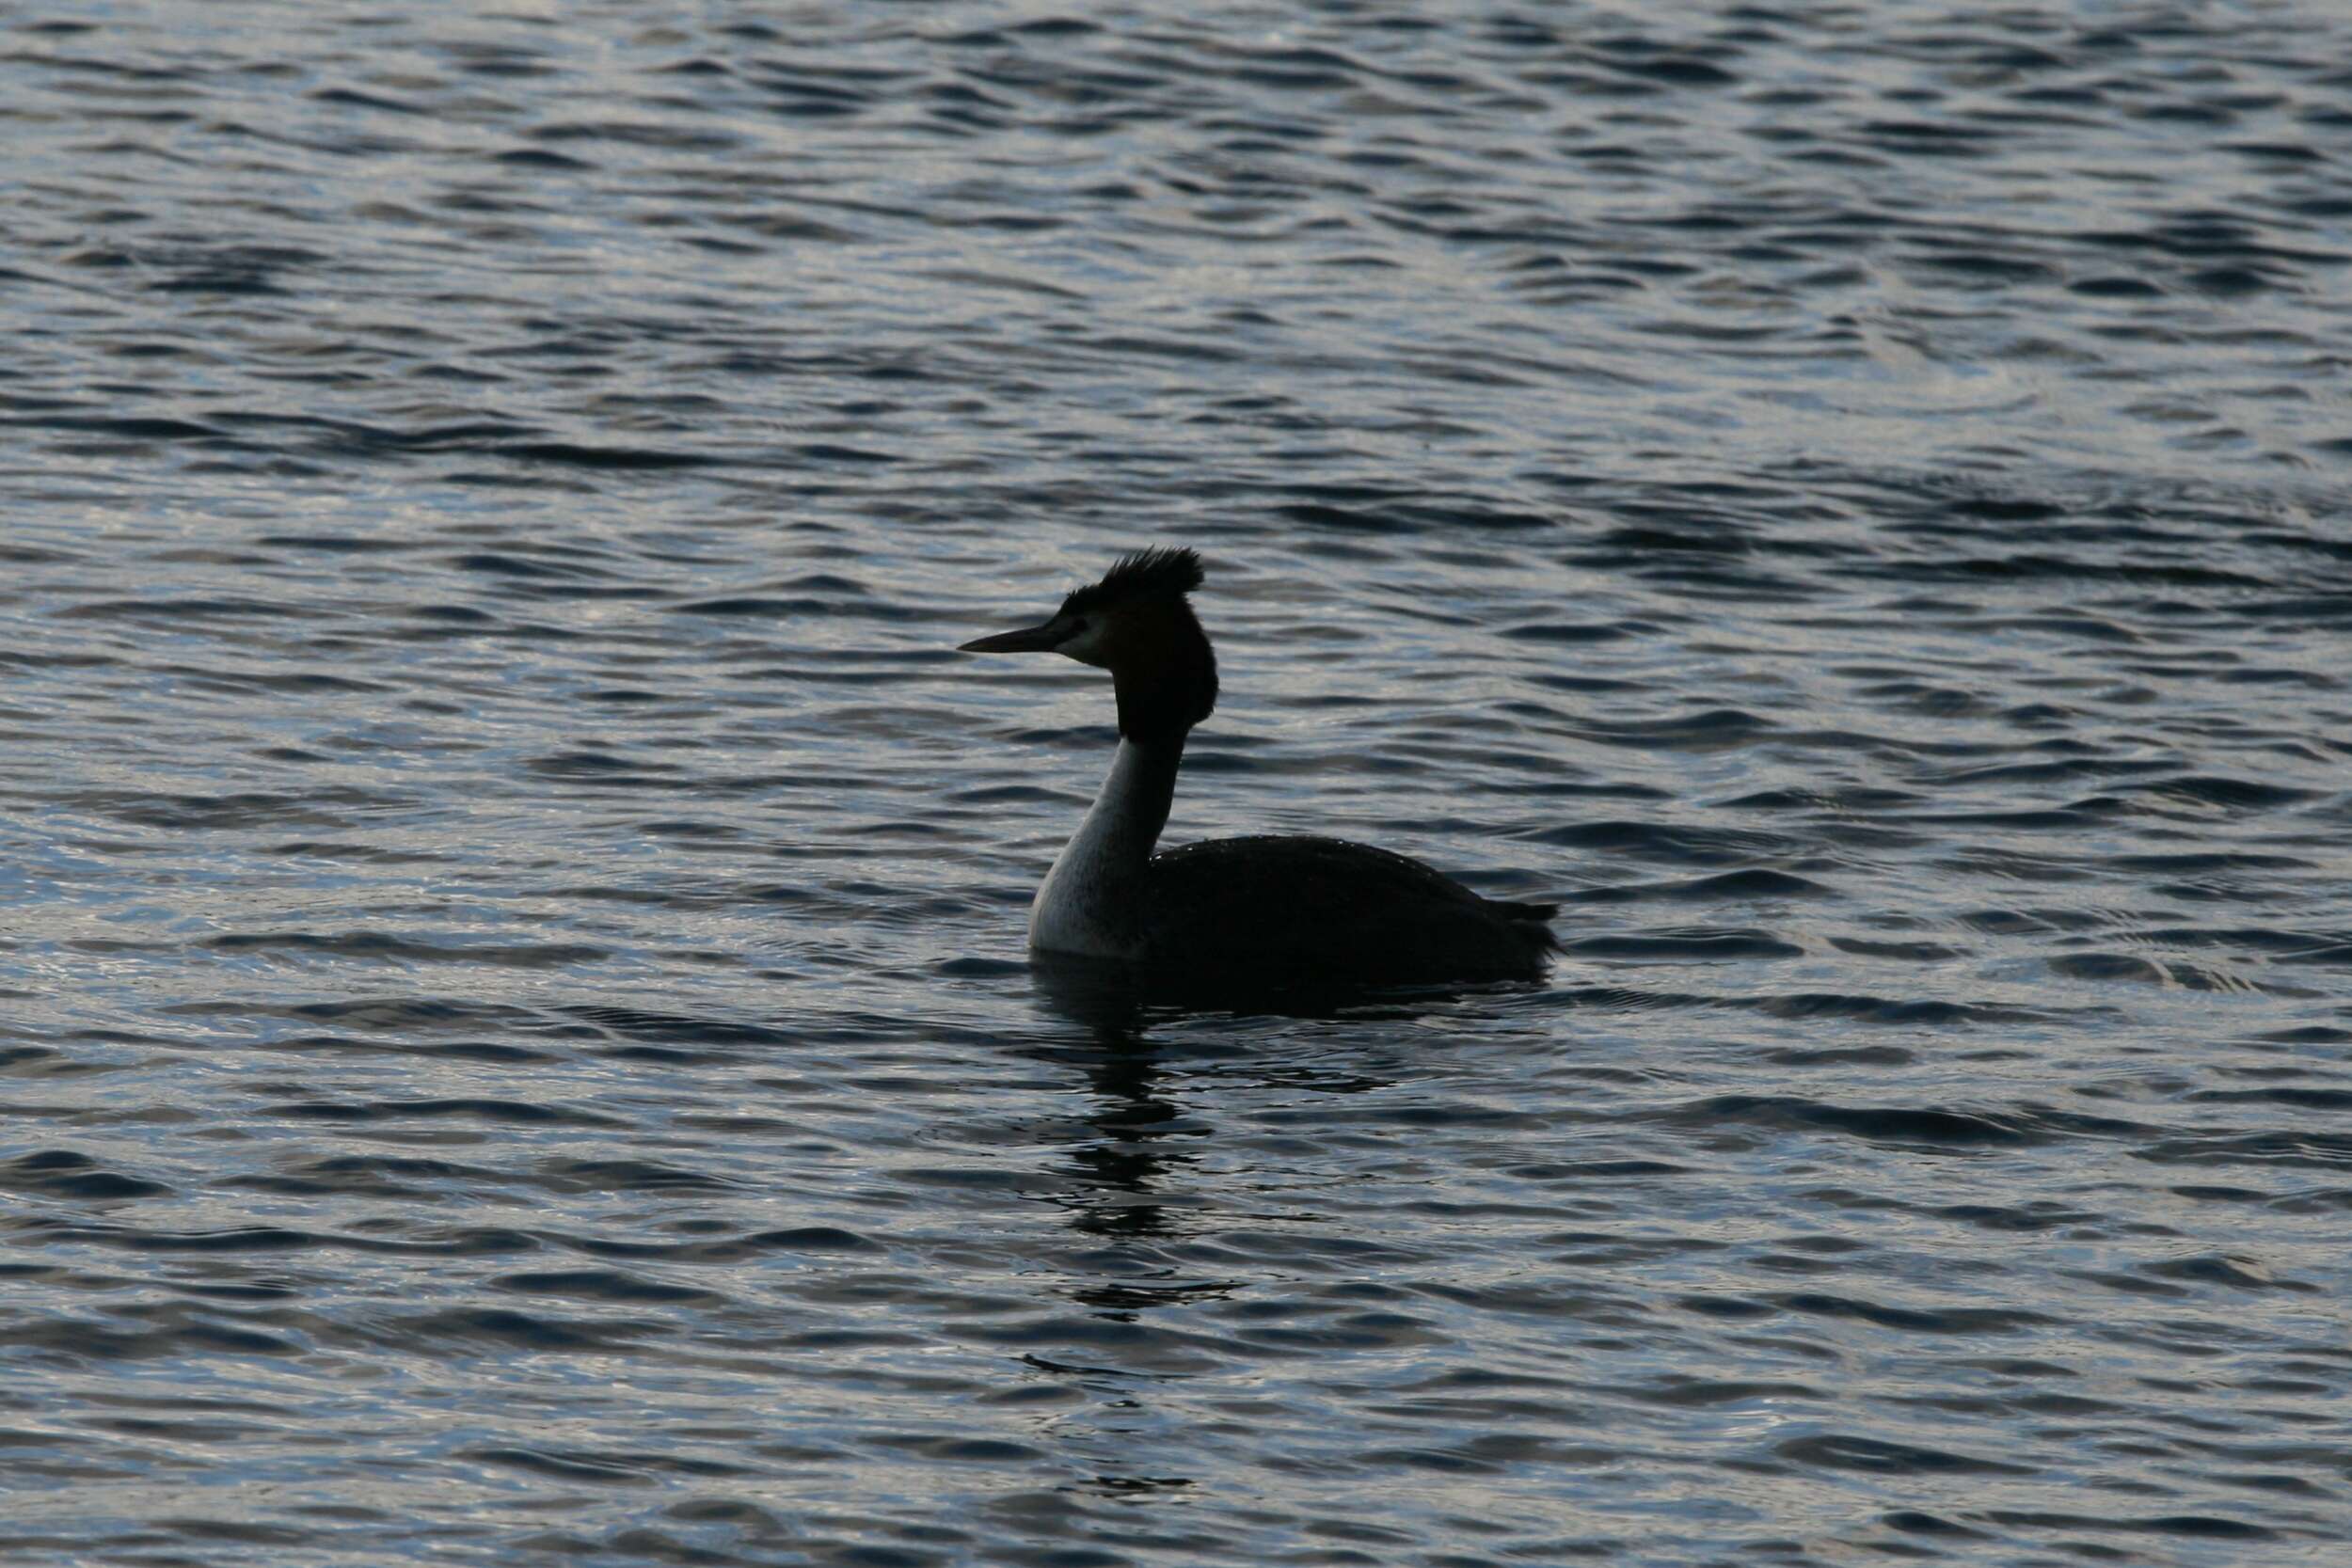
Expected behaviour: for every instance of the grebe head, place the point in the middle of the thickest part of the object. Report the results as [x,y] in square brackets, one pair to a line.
[1137,624]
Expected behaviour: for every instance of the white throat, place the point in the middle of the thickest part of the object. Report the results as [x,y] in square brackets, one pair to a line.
[1089,902]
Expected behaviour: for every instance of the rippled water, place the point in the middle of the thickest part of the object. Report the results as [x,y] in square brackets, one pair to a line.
[517,1041]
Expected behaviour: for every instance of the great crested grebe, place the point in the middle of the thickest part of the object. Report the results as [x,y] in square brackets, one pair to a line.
[1261,908]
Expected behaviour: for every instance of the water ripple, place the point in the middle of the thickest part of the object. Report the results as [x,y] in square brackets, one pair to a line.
[518,1044]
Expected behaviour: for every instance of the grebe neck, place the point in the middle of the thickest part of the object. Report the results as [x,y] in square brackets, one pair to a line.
[1089,901]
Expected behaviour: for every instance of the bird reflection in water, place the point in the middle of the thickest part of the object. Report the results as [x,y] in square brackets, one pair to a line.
[1139,1129]
[1132,1121]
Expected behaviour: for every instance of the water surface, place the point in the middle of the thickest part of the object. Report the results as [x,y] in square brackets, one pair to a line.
[517,1042]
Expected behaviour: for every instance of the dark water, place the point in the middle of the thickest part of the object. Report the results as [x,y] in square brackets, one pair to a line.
[518,1045]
